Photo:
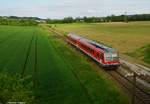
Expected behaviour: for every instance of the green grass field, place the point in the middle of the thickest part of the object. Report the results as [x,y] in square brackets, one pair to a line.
[128,38]
[56,73]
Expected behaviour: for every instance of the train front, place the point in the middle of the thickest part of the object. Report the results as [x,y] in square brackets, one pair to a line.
[111,57]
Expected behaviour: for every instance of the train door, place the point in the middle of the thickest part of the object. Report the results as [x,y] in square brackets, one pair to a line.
[97,55]
[102,58]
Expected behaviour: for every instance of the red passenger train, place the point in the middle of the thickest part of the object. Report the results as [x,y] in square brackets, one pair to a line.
[105,56]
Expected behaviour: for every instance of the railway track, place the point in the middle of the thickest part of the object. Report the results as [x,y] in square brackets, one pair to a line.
[141,96]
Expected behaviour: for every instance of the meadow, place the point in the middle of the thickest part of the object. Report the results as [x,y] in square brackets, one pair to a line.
[50,71]
[127,38]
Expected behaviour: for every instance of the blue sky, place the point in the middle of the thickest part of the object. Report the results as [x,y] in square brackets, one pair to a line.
[74,8]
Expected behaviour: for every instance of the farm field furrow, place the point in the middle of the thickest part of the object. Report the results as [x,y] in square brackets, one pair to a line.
[58,75]
[21,43]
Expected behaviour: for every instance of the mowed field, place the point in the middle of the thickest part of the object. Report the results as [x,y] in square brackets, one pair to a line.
[58,73]
[131,38]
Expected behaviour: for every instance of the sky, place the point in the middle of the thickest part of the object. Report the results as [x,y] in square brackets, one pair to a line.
[75,8]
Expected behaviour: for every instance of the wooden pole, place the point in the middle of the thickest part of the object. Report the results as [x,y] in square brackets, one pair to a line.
[133,90]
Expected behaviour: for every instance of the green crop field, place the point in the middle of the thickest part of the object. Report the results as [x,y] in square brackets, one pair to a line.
[128,38]
[40,68]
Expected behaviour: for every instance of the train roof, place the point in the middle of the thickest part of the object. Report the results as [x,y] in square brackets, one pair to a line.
[85,41]
[102,47]
[97,45]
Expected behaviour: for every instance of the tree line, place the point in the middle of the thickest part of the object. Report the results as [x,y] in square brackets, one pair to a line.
[112,18]
[19,21]
[33,21]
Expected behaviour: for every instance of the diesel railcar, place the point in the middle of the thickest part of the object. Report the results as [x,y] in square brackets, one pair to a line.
[104,55]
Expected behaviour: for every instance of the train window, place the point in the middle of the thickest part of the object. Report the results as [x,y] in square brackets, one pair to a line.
[92,51]
[97,55]
[101,56]
[83,46]
[111,57]
[89,50]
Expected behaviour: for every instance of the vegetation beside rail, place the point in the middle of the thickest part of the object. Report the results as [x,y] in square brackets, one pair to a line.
[142,53]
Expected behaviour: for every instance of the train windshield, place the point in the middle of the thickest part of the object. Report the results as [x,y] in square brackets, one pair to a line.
[111,57]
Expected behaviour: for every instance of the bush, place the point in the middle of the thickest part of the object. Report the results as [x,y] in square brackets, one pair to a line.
[14,89]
